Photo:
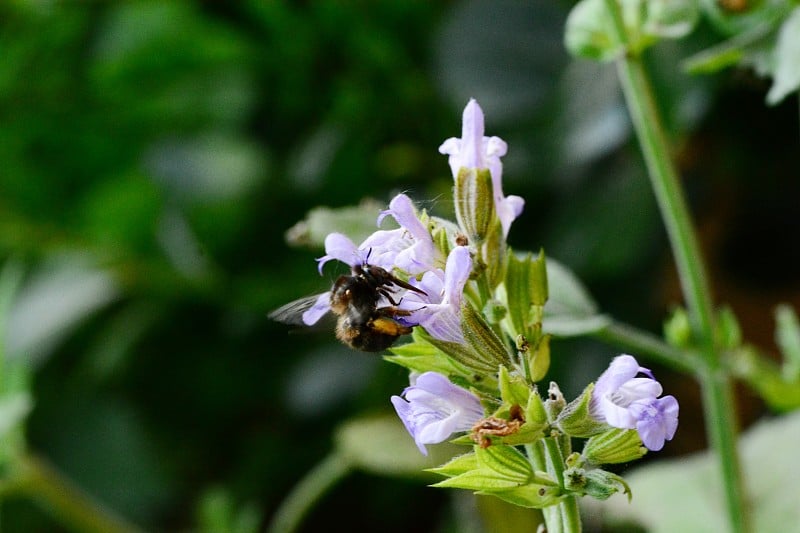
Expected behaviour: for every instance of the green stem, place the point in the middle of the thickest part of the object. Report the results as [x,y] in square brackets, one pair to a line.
[718,403]
[643,343]
[568,512]
[38,480]
[717,395]
[306,493]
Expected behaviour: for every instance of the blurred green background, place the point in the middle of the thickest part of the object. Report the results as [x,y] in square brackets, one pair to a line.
[153,156]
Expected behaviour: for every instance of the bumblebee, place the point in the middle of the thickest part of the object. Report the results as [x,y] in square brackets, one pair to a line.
[354,299]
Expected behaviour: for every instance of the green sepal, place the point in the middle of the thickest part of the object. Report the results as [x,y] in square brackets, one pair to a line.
[517,396]
[461,354]
[495,467]
[526,291]
[575,419]
[500,471]
[474,202]
[482,339]
[514,390]
[613,447]
[458,361]
[535,411]
[539,359]
[493,254]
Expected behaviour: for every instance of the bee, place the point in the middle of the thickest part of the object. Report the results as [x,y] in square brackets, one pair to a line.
[354,299]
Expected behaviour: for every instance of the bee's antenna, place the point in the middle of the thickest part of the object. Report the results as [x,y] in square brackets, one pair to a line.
[369,252]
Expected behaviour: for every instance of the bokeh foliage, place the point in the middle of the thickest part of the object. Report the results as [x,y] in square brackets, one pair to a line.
[153,156]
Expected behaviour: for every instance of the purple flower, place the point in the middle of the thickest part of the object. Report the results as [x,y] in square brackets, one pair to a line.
[432,409]
[474,150]
[416,252]
[409,247]
[438,311]
[623,400]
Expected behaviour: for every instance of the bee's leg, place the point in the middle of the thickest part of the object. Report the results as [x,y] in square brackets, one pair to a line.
[392,312]
[386,293]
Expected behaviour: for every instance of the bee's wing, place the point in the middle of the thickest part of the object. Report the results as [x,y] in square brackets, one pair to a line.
[292,313]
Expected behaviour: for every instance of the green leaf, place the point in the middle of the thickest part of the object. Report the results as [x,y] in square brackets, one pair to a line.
[589,32]
[786,76]
[419,355]
[507,462]
[727,53]
[381,445]
[357,222]
[478,480]
[766,378]
[684,494]
[457,465]
[531,495]
[787,336]
[570,310]
[671,19]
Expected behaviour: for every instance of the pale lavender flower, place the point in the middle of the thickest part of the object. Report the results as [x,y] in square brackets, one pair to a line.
[656,420]
[432,409]
[416,252]
[409,248]
[623,400]
[438,311]
[474,150]
[321,306]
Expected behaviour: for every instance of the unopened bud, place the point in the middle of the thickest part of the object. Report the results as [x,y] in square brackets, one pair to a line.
[474,202]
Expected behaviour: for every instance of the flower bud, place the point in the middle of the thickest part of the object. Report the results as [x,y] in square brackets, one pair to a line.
[474,202]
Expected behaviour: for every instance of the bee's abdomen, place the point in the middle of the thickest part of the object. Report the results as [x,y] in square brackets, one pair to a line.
[361,336]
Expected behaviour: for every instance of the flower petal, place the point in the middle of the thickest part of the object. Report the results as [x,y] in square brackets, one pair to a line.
[340,247]
[433,409]
[323,304]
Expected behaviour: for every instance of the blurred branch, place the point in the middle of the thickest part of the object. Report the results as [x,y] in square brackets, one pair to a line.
[35,478]
[642,342]
[308,492]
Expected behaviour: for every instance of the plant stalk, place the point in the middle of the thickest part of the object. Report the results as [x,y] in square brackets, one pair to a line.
[308,492]
[35,478]
[718,403]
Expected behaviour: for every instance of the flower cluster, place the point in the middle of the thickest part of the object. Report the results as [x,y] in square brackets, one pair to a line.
[478,345]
